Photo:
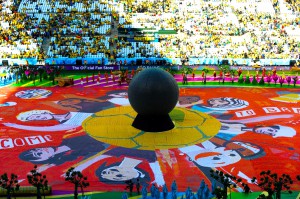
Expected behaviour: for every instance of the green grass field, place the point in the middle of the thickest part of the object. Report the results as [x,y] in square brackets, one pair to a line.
[118,195]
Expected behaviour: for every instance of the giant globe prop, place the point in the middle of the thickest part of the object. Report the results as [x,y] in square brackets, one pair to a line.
[153,93]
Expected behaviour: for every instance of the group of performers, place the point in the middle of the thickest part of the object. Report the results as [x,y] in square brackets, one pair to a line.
[119,76]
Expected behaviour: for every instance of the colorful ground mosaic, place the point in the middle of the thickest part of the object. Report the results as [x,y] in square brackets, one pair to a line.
[240,131]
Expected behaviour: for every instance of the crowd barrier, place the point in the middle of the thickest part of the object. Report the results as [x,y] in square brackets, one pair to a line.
[104,61]
[25,61]
[172,67]
[268,62]
[135,67]
[174,61]
[151,61]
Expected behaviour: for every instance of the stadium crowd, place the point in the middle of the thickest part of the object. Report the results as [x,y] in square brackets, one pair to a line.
[171,28]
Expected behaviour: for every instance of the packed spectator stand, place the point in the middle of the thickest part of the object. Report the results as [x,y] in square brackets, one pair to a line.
[175,29]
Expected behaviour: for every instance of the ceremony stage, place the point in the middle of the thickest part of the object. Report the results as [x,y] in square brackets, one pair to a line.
[89,128]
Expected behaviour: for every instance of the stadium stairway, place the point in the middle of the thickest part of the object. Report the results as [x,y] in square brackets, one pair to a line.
[45,44]
[114,33]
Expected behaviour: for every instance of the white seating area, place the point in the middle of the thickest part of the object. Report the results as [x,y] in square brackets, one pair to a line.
[63,18]
[6,6]
[212,29]
[18,47]
[78,47]
[142,20]
[206,28]
[105,27]
[30,6]
[14,43]
[140,49]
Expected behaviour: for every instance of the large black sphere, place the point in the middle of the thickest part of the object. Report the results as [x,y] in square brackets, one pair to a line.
[153,91]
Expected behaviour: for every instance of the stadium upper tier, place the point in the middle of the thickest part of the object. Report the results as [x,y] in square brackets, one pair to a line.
[41,29]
